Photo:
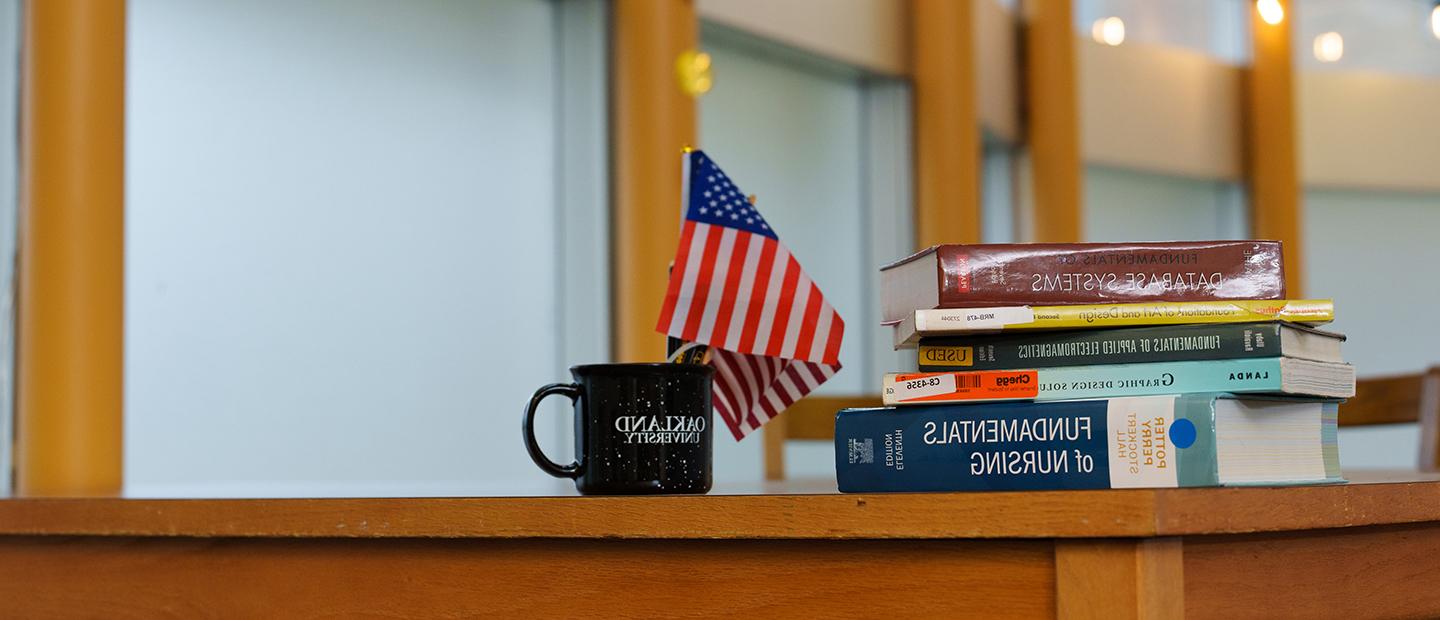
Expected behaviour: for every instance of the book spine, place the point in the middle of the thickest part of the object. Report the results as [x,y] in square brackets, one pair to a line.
[1134,345]
[1154,442]
[980,320]
[1258,375]
[1057,274]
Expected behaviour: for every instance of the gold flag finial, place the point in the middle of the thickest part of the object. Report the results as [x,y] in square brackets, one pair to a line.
[693,70]
[687,149]
[751,198]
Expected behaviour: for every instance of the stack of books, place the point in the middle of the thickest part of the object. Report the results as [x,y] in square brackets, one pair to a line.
[1082,366]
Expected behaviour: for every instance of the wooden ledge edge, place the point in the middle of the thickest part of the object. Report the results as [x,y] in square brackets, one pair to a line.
[1279,509]
[889,516]
[1137,513]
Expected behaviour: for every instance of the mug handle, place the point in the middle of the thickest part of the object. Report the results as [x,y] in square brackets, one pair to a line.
[551,467]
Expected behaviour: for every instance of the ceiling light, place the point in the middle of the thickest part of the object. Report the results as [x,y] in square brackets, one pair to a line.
[1271,11]
[1329,47]
[1110,31]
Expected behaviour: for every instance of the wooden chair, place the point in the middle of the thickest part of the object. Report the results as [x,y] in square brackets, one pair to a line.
[1400,399]
[811,418]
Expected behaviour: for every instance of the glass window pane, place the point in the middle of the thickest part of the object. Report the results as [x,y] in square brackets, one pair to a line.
[1367,250]
[1124,202]
[1362,245]
[796,132]
[1389,36]
[341,245]
[997,193]
[1127,205]
[9,195]
[791,136]
[1218,28]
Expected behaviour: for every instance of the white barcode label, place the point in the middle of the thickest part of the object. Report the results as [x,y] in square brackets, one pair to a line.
[941,320]
[929,385]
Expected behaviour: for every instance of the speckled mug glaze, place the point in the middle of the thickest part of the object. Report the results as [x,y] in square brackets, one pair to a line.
[639,429]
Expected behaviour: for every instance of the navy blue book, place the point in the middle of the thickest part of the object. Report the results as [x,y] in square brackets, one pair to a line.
[1133,442]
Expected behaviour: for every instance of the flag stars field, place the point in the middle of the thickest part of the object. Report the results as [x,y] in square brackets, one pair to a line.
[736,288]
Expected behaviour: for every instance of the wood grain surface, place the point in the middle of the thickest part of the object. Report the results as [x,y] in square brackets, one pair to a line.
[69,351]
[1243,510]
[238,578]
[1384,400]
[990,515]
[1373,572]
[1106,554]
[1119,578]
[1051,514]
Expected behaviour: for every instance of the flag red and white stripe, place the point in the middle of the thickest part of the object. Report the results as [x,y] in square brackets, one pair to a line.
[737,289]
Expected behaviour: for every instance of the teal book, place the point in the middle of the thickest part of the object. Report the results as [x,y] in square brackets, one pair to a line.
[1194,440]
[1271,375]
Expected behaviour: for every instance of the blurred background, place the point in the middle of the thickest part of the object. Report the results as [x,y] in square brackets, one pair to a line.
[359,233]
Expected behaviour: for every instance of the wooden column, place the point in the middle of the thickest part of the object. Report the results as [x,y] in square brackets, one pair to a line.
[1053,120]
[947,125]
[1270,143]
[1120,578]
[653,120]
[71,267]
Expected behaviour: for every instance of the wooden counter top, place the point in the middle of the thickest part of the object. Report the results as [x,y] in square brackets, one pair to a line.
[1372,500]
[1356,550]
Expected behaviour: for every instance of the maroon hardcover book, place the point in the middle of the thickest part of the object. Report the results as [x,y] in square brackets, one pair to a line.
[1046,274]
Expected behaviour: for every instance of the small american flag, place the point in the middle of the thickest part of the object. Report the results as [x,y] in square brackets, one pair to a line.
[737,289]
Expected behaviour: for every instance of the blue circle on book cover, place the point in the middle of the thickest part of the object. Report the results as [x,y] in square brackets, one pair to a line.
[1182,433]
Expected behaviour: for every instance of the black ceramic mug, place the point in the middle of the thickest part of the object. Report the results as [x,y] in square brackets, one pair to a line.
[639,428]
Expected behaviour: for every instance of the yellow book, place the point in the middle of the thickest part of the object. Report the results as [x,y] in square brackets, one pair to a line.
[951,321]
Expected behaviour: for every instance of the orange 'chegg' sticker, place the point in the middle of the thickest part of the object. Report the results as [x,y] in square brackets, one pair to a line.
[978,385]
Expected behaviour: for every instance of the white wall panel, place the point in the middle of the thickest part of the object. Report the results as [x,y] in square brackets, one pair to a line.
[865,33]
